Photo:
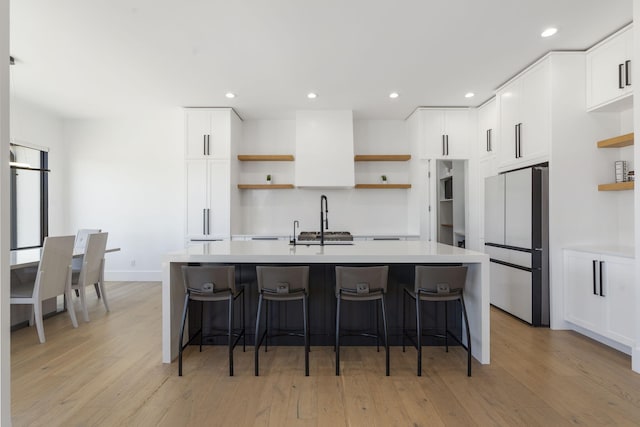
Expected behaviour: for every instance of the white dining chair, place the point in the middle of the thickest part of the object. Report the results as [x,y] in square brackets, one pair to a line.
[92,270]
[53,278]
[79,247]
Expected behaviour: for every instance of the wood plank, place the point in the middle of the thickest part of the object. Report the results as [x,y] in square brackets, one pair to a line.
[383,186]
[616,186]
[617,142]
[109,372]
[382,157]
[265,157]
[265,186]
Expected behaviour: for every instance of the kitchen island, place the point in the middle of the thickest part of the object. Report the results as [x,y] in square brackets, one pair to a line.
[404,254]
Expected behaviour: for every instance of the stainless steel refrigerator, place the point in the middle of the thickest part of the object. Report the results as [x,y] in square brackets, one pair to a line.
[516,239]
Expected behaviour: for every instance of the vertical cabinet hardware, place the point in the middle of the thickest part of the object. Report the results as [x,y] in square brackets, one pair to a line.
[445,145]
[620,72]
[489,148]
[594,277]
[206,145]
[518,140]
[601,265]
[598,289]
[627,72]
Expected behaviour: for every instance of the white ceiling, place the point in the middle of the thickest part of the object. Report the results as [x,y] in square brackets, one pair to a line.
[84,58]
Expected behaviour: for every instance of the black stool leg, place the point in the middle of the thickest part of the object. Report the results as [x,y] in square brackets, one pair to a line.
[244,331]
[419,334]
[446,327]
[386,336]
[377,328]
[266,325]
[466,324]
[230,335]
[184,318]
[305,313]
[257,340]
[338,336]
[201,323]
[404,318]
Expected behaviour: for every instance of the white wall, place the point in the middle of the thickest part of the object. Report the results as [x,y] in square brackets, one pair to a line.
[35,125]
[364,212]
[126,176]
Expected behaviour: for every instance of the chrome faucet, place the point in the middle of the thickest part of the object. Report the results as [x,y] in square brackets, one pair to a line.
[324,217]
[296,223]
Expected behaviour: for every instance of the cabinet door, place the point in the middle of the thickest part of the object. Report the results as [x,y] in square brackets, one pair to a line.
[220,139]
[457,130]
[606,80]
[509,116]
[197,198]
[219,200]
[433,125]
[535,113]
[583,305]
[487,132]
[197,129]
[619,293]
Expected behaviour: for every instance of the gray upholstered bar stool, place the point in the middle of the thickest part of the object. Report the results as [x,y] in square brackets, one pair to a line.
[209,284]
[282,284]
[362,284]
[439,284]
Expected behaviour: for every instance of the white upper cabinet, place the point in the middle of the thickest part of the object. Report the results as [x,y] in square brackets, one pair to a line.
[609,73]
[524,107]
[487,132]
[208,133]
[447,133]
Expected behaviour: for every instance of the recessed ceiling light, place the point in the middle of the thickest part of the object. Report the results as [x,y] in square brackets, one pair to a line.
[312,95]
[394,95]
[230,95]
[549,32]
[469,95]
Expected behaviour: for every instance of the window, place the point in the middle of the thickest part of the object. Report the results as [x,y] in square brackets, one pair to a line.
[29,196]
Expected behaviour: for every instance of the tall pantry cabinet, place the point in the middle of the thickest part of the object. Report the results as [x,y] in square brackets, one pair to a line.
[211,140]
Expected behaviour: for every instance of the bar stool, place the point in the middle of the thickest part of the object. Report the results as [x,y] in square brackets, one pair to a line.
[439,284]
[282,284]
[362,284]
[209,284]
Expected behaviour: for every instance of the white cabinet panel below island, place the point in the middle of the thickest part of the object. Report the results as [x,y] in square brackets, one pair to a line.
[401,253]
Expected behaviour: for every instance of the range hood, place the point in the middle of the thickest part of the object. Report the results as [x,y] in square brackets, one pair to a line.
[324,149]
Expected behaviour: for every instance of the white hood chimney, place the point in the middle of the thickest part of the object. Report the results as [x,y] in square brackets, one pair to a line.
[324,149]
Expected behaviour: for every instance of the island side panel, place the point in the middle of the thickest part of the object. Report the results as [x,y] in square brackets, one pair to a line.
[476,298]
[172,306]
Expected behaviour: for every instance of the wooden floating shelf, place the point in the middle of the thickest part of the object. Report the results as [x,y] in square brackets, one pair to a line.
[617,142]
[616,186]
[382,157]
[265,157]
[384,186]
[265,186]
[446,225]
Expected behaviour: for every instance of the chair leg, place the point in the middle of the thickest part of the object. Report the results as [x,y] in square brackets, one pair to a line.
[184,318]
[386,336]
[377,327]
[338,336]
[404,319]
[305,313]
[103,293]
[244,331]
[419,334]
[71,309]
[230,335]
[257,339]
[466,324]
[446,327]
[201,324]
[37,309]
[83,301]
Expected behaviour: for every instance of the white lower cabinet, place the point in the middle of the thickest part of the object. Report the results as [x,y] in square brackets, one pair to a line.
[599,294]
[208,205]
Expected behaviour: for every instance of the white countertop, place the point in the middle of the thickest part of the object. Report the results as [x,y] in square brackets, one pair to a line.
[614,250]
[266,251]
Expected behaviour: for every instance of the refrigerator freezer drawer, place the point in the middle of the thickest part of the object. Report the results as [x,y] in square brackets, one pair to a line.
[511,256]
[511,290]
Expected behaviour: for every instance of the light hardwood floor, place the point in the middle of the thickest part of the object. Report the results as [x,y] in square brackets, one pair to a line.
[108,372]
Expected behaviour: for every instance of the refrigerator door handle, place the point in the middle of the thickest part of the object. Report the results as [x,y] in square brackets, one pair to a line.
[594,277]
[601,265]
